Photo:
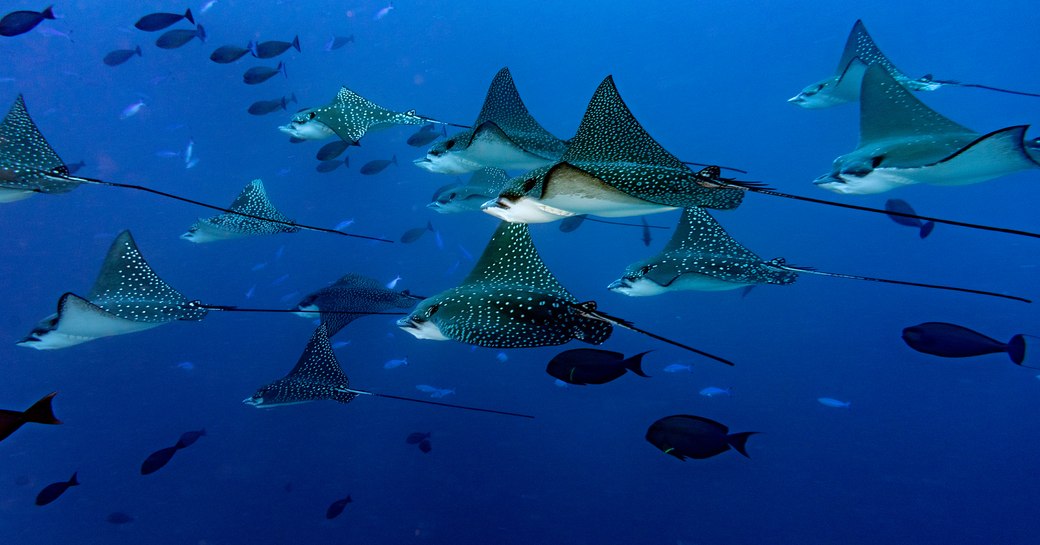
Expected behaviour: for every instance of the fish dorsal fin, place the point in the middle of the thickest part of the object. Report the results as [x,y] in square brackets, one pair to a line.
[25,155]
[511,258]
[860,47]
[355,280]
[610,133]
[318,362]
[506,110]
[889,110]
[128,288]
[253,201]
[699,233]
[350,115]
[489,177]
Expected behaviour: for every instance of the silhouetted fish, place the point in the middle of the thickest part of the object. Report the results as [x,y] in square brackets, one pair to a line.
[417,437]
[377,165]
[271,49]
[332,150]
[227,54]
[583,366]
[172,39]
[157,460]
[119,56]
[188,438]
[260,74]
[687,436]
[416,233]
[53,491]
[337,42]
[833,403]
[337,507]
[264,107]
[119,517]
[425,446]
[326,167]
[39,413]
[954,341]
[903,207]
[252,200]
[20,22]
[903,142]
[158,21]
[425,135]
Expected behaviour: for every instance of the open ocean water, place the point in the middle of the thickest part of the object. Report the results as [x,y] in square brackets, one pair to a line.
[929,450]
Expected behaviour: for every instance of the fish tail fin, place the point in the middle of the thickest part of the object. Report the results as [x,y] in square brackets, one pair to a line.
[296,43]
[189,16]
[926,229]
[74,481]
[1016,349]
[252,47]
[41,411]
[281,68]
[292,98]
[739,441]
[200,31]
[346,161]
[48,13]
[635,364]
[138,51]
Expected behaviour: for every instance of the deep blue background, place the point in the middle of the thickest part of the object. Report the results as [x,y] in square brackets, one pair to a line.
[930,451]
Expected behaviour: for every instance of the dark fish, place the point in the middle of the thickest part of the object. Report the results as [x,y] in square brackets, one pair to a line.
[332,150]
[74,167]
[260,74]
[425,446]
[226,54]
[583,366]
[903,207]
[425,135]
[52,491]
[378,165]
[264,107]
[326,167]
[158,21]
[40,413]
[684,435]
[172,39]
[572,223]
[119,56]
[416,233]
[417,437]
[337,507]
[646,232]
[20,22]
[119,517]
[954,341]
[271,49]
[156,460]
[338,41]
[188,438]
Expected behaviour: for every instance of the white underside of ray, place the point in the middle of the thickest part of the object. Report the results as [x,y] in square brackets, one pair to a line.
[207,232]
[486,150]
[311,130]
[308,311]
[12,195]
[424,330]
[81,322]
[644,287]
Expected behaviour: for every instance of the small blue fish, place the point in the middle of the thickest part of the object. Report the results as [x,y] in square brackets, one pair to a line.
[132,109]
[435,392]
[394,364]
[677,368]
[289,297]
[280,280]
[712,391]
[259,266]
[252,290]
[831,402]
[383,12]
[502,357]
[186,366]
[340,344]
[344,224]
[393,283]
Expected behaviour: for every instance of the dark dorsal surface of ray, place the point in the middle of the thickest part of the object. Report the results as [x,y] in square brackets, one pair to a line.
[29,164]
[127,287]
[354,296]
[700,246]
[504,109]
[612,146]
[351,116]
[252,203]
[316,376]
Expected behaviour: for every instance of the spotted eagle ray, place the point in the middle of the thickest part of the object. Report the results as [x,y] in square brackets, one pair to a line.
[353,296]
[29,165]
[251,203]
[349,116]
[861,53]
[468,196]
[612,168]
[503,136]
[702,256]
[318,376]
[127,297]
[904,142]
[511,300]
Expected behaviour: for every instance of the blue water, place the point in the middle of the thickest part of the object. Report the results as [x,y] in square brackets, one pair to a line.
[930,451]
